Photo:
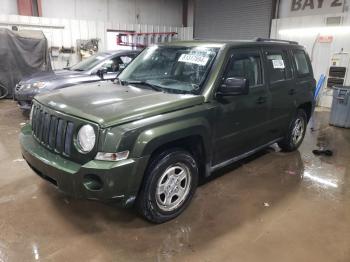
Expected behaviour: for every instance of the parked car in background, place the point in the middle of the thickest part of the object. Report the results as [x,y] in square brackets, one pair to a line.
[177,113]
[102,66]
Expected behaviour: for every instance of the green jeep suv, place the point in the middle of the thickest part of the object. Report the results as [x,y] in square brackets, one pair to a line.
[178,112]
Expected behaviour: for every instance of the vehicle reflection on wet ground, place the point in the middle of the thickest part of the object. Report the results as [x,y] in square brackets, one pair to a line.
[271,207]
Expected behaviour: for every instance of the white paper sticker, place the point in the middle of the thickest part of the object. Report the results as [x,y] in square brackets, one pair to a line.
[278,64]
[194,59]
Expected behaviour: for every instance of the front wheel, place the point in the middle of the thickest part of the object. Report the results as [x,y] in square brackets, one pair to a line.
[296,132]
[170,182]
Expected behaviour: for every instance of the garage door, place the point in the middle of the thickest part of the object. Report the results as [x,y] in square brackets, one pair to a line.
[232,19]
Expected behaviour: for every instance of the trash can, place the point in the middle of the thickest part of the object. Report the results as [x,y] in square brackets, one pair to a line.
[340,111]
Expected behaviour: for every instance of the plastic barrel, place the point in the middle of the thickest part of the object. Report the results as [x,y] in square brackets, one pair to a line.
[340,111]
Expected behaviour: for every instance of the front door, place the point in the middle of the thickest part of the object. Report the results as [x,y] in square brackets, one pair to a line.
[241,120]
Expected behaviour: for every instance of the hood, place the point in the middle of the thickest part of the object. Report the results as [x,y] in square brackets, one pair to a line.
[50,76]
[111,104]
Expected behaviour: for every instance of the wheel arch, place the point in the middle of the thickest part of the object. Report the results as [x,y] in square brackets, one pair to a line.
[308,108]
[195,139]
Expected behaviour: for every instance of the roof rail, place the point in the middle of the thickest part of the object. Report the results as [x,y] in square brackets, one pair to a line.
[259,39]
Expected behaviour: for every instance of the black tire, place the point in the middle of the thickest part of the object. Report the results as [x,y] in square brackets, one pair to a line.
[289,144]
[147,201]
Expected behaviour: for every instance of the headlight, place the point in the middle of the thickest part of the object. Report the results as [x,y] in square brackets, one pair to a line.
[38,84]
[86,138]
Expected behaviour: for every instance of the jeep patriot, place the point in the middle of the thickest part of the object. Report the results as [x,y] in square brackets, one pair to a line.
[178,112]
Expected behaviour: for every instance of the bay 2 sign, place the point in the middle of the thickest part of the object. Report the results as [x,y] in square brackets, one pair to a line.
[316,7]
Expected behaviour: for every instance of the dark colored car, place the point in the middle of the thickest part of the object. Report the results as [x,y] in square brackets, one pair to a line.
[179,112]
[86,71]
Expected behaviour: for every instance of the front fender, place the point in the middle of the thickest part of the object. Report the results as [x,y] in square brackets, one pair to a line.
[151,139]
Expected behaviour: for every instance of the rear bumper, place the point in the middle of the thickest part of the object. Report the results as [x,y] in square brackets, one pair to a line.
[117,180]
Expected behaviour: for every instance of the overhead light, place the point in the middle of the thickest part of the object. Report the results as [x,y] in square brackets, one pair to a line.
[311,31]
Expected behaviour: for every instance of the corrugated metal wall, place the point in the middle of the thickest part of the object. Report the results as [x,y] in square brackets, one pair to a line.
[232,19]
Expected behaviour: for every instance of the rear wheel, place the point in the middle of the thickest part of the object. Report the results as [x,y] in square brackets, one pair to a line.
[296,132]
[169,185]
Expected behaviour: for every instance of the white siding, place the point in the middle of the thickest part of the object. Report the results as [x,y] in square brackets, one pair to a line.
[166,12]
[8,7]
[65,32]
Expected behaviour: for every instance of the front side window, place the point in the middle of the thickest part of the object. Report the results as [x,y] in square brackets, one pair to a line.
[301,62]
[246,66]
[171,68]
[277,66]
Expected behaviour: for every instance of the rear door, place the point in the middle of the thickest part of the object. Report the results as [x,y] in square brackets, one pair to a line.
[241,120]
[282,90]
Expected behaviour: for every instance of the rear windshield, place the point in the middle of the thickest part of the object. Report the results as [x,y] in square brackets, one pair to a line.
[89,63]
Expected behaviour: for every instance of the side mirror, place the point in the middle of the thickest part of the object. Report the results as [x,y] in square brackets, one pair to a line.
[234,86]
[101,72]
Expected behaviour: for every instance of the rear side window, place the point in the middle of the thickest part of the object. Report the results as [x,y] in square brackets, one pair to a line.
[126,59]
[301,62]
[278,66]
[246,66]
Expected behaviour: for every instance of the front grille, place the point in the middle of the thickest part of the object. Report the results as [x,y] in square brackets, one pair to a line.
[52,131]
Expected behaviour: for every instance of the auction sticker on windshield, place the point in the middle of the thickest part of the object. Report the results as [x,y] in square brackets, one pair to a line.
[194,59]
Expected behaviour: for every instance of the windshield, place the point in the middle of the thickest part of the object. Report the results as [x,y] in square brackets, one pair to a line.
[172,68]
[88,63]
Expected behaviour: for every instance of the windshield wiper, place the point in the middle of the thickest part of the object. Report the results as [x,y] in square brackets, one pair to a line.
[78,70]
[154,87]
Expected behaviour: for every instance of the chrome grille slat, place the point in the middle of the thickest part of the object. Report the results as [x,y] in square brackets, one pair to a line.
[59,135]
[46,128]
[40,125]
[68,138]
[51,131]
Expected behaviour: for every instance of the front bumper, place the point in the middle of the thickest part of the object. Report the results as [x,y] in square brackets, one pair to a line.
[24,100]
[120,180]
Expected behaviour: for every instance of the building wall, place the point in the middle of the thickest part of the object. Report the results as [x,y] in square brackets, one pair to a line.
[66,32]
[297,8]
[164,12]
[8,7]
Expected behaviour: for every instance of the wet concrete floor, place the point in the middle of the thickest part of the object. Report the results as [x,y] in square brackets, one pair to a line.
[271,207]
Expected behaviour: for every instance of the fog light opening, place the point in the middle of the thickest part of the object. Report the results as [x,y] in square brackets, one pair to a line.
[92,182]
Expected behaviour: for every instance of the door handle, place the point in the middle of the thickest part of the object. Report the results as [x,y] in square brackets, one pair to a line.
[292,91]
[261,100]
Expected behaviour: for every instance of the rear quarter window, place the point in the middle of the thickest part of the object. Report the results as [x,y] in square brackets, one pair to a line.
[301,62]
